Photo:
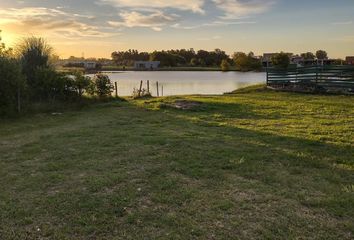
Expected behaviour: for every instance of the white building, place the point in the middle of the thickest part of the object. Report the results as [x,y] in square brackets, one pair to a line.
[90,65]
[147,65]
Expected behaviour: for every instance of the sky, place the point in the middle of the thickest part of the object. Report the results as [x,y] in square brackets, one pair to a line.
[96,28]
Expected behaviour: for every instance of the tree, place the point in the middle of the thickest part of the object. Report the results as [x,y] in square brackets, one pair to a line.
[225,65]
[321,55]
[241,61]
[308,56]
[12,82]
[194,62]
[34,54]
[101,86]
[4,52]
[246,62]
[281,60]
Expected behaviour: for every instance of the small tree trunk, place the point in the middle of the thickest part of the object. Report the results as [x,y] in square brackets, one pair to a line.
[157,88]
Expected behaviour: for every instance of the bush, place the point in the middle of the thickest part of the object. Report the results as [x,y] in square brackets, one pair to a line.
[101,86]
[81,83]
[34,54]
[51,85]
[12,82]
[144,93]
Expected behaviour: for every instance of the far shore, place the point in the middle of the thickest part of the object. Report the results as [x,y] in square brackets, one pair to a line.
[172,69]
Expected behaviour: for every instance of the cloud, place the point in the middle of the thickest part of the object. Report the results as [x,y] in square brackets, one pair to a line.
[50,21]
[212,24]
[155,20]
[236,9]
[186,5]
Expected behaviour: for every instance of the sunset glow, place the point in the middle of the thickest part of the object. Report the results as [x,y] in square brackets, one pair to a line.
[96,28]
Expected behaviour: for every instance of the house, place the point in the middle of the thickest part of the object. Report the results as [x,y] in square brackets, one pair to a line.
[298,60]
[80,64]
[90,65]
[349,60]
[146,65]
[267,59]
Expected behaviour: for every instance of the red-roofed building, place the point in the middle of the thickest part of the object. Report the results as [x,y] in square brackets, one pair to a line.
[350,60]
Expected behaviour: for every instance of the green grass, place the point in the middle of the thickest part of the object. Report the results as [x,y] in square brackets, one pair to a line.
[254,164]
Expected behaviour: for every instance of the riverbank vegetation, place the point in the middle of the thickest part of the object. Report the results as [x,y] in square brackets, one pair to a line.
[253,164]
[28,79]
[180,59]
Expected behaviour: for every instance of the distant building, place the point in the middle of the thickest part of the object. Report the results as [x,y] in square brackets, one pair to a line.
[349,60]
[90,65]
[79,64]
[147,65]
[298,60]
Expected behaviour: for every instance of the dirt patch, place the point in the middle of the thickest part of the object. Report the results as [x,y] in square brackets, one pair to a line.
[183,104]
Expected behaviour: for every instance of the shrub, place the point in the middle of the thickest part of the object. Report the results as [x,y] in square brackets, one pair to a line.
[51,85]
[12,83]
[81,83]
[141,94]
[101,86]
[34,54]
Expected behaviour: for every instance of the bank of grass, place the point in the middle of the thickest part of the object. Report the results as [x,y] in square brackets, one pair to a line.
[252,164]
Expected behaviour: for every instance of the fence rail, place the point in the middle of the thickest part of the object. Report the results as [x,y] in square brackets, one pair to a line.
[315,77]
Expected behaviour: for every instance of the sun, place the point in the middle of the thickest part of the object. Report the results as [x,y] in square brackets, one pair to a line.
[8,39]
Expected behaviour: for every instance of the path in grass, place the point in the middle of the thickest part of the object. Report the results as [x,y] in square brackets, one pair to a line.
[255,164]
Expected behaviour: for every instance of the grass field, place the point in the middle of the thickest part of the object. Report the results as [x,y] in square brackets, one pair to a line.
[254,164]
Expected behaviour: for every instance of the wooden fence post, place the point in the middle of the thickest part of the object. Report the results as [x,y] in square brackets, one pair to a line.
[157,88]
[161,90]
[116,88]
[141,86]
[148,86]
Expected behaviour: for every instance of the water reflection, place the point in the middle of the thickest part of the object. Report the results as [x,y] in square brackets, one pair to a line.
[182,83]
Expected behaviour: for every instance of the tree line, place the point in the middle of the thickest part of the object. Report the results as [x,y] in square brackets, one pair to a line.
[27,76]
[218,58]
[189,58]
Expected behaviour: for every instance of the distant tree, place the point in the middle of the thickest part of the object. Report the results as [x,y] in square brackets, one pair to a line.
[321,55]
[308,56]
[127,58]
[4,52]
[246,62]
[194,62]
[241,61]
[166,59]
[281,60]
[225,65]
[339,61]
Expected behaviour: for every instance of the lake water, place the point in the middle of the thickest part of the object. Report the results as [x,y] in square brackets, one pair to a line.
[183,83]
